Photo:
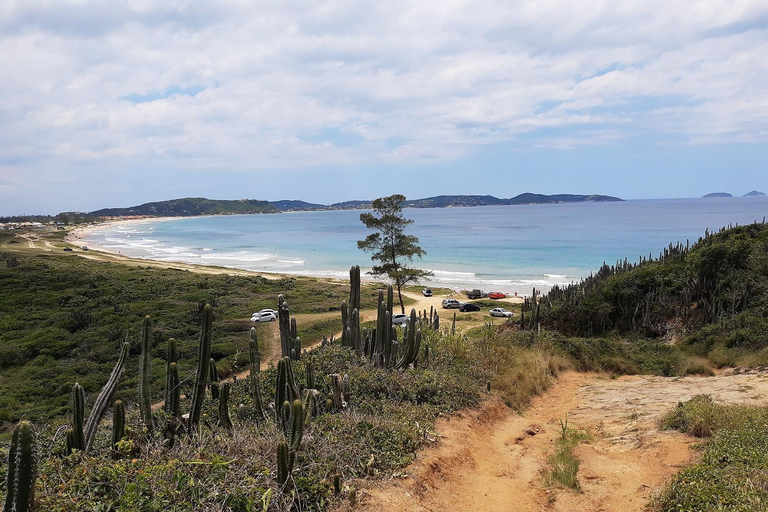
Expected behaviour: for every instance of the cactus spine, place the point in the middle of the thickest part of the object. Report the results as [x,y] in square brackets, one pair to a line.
[118,423]
[255,360]
[172,356]
[22,469]
[76,435]
[105,395]
[224,419]
[145,404]
[201,379]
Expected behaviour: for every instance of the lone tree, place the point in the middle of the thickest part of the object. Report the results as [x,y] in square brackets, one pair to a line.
[390,246]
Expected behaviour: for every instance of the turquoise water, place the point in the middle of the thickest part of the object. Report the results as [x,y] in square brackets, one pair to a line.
[496,248]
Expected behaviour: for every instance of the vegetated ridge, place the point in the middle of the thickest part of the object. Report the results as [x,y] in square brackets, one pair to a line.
[717,194]
[193,206]
[190,207]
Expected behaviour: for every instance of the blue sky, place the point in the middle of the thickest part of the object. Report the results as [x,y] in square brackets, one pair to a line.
[119,103]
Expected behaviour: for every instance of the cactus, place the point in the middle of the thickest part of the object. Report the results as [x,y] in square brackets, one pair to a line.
[171,357]
[282,463]
[241,412]
[337,386]
[201,379]
[411,344]
[22,470]
[105,395]
[213,379]
[224,419]
[145,404]
[118,423]
[453,325]
[310,370]
[173,394]
[351,334]
[286,389]
[337,483]
[76,435]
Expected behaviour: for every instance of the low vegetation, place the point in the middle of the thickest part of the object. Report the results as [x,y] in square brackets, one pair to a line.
[733,471]
[563,466]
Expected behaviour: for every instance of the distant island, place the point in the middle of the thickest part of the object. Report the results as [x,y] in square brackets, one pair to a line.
[194,206]
[754,193]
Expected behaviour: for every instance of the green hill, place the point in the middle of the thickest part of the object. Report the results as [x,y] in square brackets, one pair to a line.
[191,206]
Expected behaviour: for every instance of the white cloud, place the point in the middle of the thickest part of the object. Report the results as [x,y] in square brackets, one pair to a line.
[409,80]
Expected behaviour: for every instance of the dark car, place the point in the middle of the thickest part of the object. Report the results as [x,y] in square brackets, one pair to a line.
[464,308]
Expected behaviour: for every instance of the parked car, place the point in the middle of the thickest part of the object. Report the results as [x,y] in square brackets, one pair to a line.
[68,249]
[449,303]
[85,247]
[399,319]
[496,295]
[468,306]
[476,294]
[501,312]
[427,292]
[264,317]
[267,310]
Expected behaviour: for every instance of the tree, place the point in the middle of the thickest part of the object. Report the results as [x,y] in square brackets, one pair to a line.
[390,246]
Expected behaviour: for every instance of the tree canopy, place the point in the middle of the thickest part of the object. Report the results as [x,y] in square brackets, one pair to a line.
[389,244]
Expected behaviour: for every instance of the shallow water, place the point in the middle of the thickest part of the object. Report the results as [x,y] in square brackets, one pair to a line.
[504,248]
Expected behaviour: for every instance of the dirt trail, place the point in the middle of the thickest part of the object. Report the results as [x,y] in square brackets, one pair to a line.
[493,459]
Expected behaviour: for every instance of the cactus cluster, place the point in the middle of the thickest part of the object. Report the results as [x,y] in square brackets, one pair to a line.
[290,343]
[292,422]
[286,389]
[351,335]
[201,378]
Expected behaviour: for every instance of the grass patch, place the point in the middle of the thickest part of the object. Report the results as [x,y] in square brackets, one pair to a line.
[733,472]
[563,465]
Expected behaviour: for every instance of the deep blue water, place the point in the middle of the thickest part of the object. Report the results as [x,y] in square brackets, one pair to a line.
[504,248]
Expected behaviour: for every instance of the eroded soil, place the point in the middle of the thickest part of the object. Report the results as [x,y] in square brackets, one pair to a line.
[493,459]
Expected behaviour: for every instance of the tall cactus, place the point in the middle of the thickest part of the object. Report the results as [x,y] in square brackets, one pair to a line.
[201,379]
[118,423]
[411,343]
[76,435]
[145,404]
[105,395]
[171,357]
[292,422]
[255,381]
[172,397]
[351,334]
[282,463]
[286,389]
[310,371]
[224,418]
[22,470]
[213,379]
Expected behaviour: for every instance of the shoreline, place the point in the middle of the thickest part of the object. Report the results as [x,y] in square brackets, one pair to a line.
[454,278]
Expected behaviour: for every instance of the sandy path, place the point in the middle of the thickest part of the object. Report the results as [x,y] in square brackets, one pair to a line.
[492,459]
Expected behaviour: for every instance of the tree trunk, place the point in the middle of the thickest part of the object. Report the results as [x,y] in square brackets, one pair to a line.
[400,295]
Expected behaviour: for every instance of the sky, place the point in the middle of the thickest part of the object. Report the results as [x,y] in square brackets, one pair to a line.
[118,103]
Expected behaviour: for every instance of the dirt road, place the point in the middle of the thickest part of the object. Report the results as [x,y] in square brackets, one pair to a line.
[492,460]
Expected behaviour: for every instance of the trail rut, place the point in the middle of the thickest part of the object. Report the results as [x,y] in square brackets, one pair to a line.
[493,459]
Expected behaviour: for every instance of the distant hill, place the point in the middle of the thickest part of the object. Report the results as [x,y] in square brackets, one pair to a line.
[193,206]
[755,193]
[718,194]
[190,207]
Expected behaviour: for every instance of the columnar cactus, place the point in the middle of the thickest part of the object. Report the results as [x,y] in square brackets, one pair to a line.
[213,379]
[201,379]
[172,356]
[105,395]
[224,419]
[282,463]
[310,370]
[118,423]
[76,435]
[411,343]
[145,404]
[22,469]
[292,423]
[286,389]
[172,397]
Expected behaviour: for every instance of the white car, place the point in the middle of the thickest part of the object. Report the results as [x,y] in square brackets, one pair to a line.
[501,312]
[267,310]
[266,316]
[399,319]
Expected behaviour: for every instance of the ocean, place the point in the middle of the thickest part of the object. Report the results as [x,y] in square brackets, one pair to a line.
[494,248]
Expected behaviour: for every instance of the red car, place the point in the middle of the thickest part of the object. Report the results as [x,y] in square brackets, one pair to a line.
[496,295]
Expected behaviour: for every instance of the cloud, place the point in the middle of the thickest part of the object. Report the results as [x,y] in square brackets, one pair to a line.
[238,85]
